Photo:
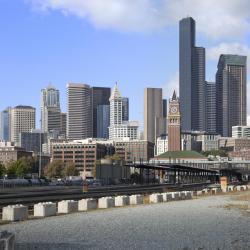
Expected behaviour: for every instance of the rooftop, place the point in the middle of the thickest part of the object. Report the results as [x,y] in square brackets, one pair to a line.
[181,154]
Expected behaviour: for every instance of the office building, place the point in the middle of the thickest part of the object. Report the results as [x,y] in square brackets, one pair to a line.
[231,93]
[63,131]
[210,107]
[103,116]
[118,128]
[79,115]
[100,97]
[32,141]
[125,109]
[23,119]
[192,78]
[154,121]
[5,120]
[50,110]
[241,132]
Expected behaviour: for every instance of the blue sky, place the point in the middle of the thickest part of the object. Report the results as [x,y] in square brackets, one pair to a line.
[132,42]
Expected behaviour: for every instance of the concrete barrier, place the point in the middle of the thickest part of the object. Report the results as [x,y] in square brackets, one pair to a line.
[136,199]
[176,196]
[15,213]
[7,240]
[199,192]
[241,188]
[188,194]
[167,197]
[106,202]
[44,209]
[87,204]
[183,195]
[215,190]
[155,198]
[67,206]
[230,188]
[205,191]
[121,201]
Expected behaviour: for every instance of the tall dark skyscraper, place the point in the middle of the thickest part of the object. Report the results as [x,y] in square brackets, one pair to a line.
[125,109]
[100,96]
[211,107]
[5,124]
[231,91]
[192,77]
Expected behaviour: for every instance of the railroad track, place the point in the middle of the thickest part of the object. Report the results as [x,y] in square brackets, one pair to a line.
[30,197]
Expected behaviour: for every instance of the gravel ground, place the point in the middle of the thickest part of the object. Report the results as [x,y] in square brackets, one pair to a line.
[192,224]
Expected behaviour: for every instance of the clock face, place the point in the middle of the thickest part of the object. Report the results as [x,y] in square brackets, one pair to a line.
[174,110]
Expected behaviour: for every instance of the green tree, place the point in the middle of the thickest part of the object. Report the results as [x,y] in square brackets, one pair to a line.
[54,169]
[219,152]
[2,170]
[69,169]
[18,168]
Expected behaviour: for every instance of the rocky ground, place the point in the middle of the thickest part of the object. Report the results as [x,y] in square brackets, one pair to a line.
[212,222]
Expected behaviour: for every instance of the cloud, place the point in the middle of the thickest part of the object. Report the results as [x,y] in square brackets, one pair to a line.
[216,19]
[228,48]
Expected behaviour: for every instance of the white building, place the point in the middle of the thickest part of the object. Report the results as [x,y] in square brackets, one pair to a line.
[22,120]
[118,128]
[241,132]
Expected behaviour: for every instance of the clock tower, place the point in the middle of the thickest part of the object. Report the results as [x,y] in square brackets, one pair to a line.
[174,124]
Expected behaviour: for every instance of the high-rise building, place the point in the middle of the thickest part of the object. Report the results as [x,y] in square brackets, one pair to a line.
[63,130]
[5,120]
[165,108]
[100,96]
[79,115]
[125,109]
[231,93]
[153,114]
[50,110]
[174,124]
[103,116]
[118,128]
[210,107]
[192,77]
[23,119]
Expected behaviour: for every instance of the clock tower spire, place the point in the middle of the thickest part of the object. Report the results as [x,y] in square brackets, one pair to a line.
[174,124]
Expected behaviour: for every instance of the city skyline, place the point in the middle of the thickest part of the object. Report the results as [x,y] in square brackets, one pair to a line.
[133,58]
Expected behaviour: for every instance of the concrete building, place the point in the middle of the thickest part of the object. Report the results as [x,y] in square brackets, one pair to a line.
[9,153]
[79,115]
[100,97]
[210,107]
[174,124]
[231,91]
[32,141]
[134,150]
[118,128]
[234,144]
[241,132]
[5,124]
[50,110]
[84,154]
[23,119]
[103,121]
[154,117]
[192,78]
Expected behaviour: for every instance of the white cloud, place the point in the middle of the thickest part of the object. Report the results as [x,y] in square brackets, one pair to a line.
[216,19]
[227,48]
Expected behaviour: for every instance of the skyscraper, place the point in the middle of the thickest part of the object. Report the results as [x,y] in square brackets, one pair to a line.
[210,107]
[22,120]
[192,77]
[5,120]
[100,96]
[79,115]
[118,128]
[50,110]
[153,114]
[231,89]
[64,124]
[125,108]
[103,116]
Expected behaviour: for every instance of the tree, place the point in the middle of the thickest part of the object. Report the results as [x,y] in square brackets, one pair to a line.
[70,169]
[2,170]
[18,168]
[54,169]
[219,152]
